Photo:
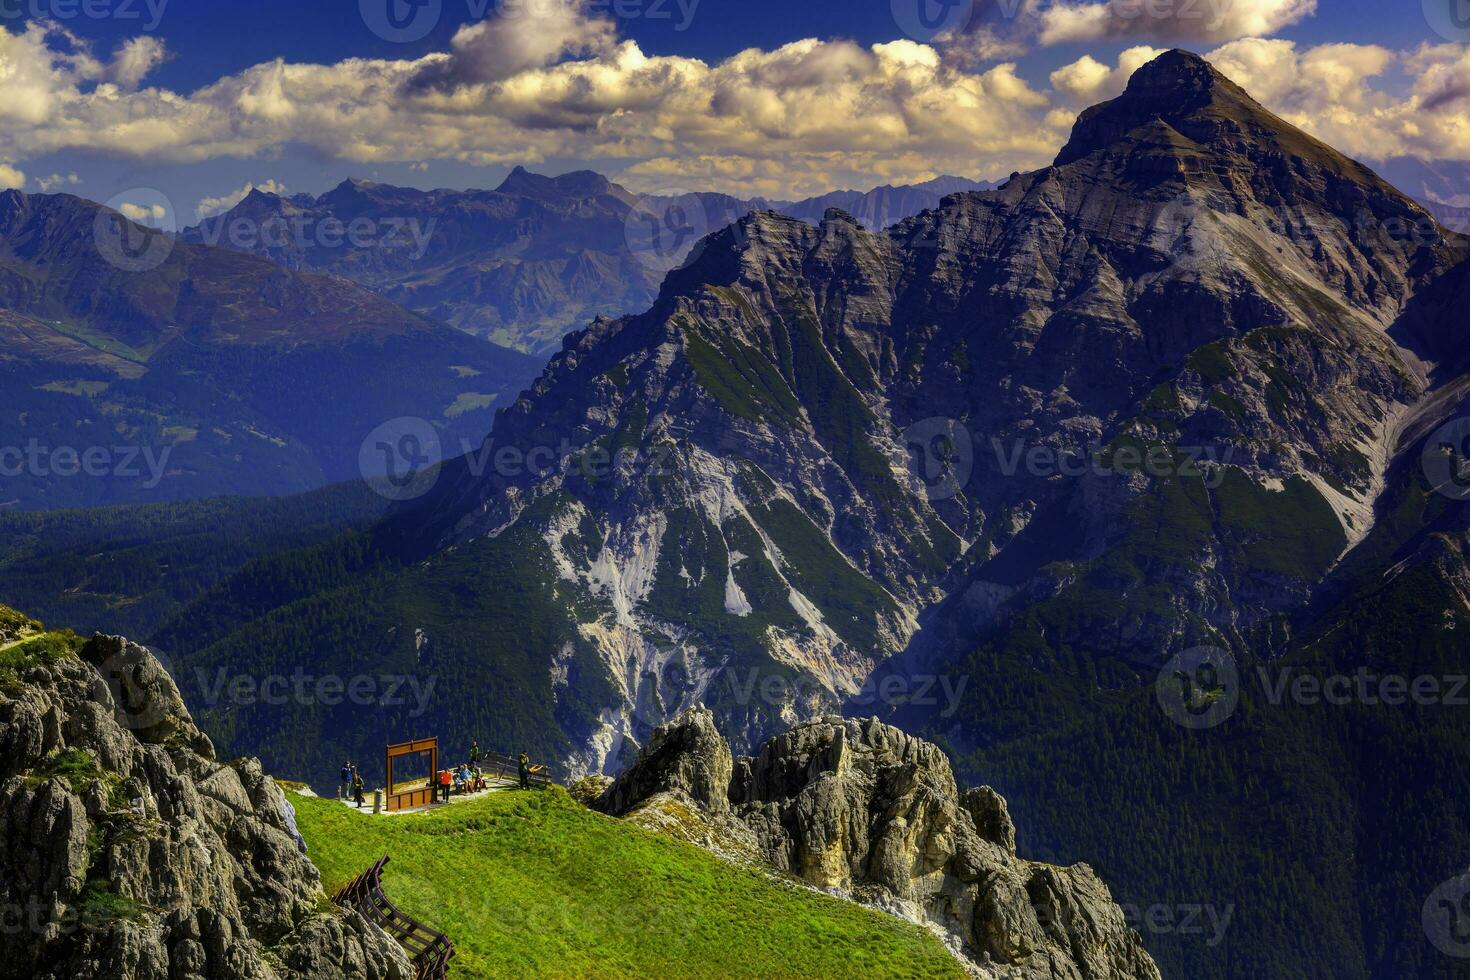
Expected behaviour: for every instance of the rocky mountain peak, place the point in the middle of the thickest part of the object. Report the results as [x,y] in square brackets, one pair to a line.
[1183,93]
[11,200]
[756,246]
[258,197]
[577,184]
[838,214]
[1178,79]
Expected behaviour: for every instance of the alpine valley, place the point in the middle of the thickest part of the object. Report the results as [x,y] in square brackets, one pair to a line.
[235,375]
[993,474]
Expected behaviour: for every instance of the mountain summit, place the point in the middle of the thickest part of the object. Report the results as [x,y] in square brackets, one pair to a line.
[1174,87]
[1182,104]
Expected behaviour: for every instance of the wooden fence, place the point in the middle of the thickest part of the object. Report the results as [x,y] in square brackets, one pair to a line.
[498,765]
[429,949]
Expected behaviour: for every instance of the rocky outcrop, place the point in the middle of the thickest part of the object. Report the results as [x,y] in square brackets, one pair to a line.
[862,809]
[691,759]
[130,851]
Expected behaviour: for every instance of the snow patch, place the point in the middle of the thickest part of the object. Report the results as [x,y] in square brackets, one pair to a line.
[735,602]
[623,571]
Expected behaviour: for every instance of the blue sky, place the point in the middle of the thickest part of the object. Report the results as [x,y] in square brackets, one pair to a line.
[1359,67]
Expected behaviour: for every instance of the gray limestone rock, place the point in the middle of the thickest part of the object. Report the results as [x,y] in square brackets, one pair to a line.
[135,854]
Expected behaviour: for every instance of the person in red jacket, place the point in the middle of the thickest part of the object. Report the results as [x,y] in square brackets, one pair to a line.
[445,780]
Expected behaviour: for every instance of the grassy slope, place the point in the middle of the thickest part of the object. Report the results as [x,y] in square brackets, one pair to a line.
[534,884]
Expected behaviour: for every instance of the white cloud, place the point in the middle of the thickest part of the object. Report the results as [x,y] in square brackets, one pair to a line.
[802,118]
[1206,21]
[135,58]
[150,214]
[50,182]
[1088,81]
[11,177]
[214,205]
[1329,91]
[523,36]
[984,45]
[797,119]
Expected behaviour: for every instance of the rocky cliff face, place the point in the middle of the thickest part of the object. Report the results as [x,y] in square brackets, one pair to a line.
[866,811]
[128,850]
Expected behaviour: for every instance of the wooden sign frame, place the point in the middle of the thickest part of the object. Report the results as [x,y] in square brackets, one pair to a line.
[420,796]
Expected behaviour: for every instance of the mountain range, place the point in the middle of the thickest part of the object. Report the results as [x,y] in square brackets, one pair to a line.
[523,264]
[138,368]
[1442,186]
[1012,473]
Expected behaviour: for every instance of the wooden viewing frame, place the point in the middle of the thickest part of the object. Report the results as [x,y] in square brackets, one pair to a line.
[422,796]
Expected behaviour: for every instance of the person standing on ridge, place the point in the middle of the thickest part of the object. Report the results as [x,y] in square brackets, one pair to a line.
[346,788]
[357,787]
[525,771]
[446,779]
[474,753]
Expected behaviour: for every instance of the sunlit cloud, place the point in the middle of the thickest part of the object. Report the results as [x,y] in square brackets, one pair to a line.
[797,119]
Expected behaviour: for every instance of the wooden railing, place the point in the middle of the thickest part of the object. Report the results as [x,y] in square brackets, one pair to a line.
[498,765]
[429,949]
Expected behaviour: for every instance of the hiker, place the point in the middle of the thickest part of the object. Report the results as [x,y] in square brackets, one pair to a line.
[346,787]
[357,787]
[474,753]
[445,781]
[526,769]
